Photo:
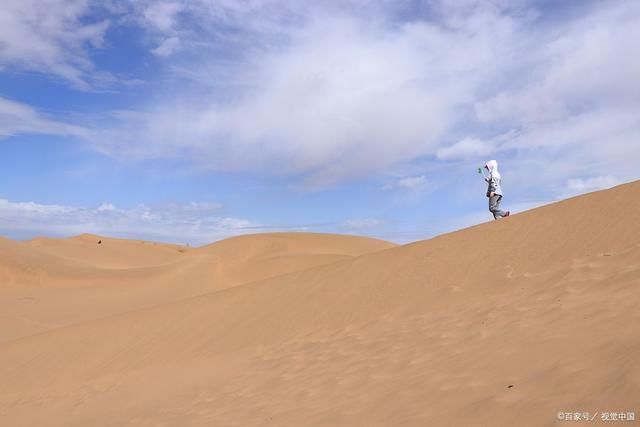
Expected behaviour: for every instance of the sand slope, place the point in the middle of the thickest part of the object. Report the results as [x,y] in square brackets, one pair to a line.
[505,323]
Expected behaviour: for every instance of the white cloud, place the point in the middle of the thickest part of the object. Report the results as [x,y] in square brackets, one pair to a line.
[51,37]
[168,47]
[162,15]
[411,183]
[339,99]
[579,185]
[363,223]
[468,147]
[194,223]
[106,207]
[590,59]
[17,118]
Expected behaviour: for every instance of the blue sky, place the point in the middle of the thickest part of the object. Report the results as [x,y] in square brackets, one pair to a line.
[192,121]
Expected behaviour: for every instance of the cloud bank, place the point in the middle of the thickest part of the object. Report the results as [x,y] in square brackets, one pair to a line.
[344,90]
[329,97]
[193,223]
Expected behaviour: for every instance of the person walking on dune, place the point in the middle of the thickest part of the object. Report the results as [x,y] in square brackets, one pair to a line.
[494,191]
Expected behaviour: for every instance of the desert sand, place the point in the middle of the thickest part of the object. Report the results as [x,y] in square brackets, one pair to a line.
[503,324]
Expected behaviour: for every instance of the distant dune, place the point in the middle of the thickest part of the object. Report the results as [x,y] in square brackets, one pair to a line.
[506,323]
[87,277]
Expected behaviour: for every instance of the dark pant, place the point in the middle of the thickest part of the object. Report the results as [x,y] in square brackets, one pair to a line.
[494,206]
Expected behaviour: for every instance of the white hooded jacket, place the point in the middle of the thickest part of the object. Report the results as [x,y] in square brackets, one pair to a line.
[494,178]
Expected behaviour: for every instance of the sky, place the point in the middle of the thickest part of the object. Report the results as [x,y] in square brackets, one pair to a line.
[191,121]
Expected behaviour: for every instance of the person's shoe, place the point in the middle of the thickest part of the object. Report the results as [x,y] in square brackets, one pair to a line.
[507,214]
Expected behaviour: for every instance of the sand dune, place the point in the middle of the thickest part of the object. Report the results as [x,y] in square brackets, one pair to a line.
[254,257]
[506,323]
[119,276]
[105,252]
